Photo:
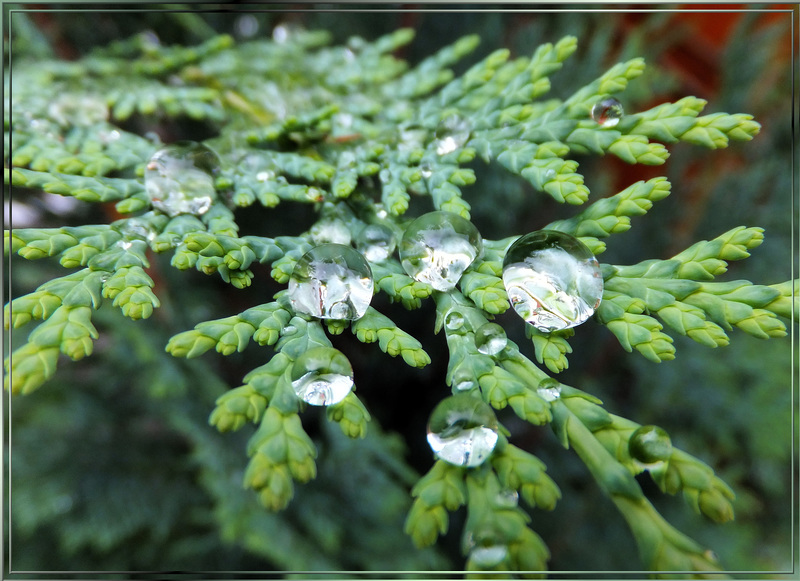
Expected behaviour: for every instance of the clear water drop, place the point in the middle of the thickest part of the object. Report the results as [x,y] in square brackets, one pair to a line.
[490,339]
[376,242]
[425,170]
[322,376]
[125,244]
[438,247]
[607,113]
[462,430]
[650,446]
[330,230]
[549,389]
[454,321]
[138,228]
[452,133]
[553,280]
[265,176]
[464,380]
[179,178]
[507,498]
[331,281]
[486,547]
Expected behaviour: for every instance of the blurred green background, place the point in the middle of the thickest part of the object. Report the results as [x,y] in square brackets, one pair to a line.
[113,466]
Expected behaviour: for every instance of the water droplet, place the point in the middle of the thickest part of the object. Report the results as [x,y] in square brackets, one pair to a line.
[179,178]
[552,279]
[464,379]
[486,548]
[490,339]
[438,247]
[381,212]
[425,170]
[452,133]
[289,330]
[650,446]
[549,389]
[322,376]
[607,113]
[265,176]
[507,498]
[549,175]
[138,228]
[462,430]
[331,281]
[125,244]
[330,230]
[376,242]
[454,321]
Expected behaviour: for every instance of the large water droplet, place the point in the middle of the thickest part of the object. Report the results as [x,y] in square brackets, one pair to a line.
[322,376]
[462,430]
[607,113]
[650,446]
[179,178]
[490,339]
[452,133]
[376,242]
[331,281]
[330,231]
[438,247]
[454,321]
[549,389]
[553,280]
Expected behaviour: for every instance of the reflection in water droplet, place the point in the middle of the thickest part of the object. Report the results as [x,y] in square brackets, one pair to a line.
[650,446]
[438,247]
[138,228]
[552,279]
[330,230]
[490,339]
[376,242]
[452,133]
[454,321]
[486,547]
[322,376]
[464,379]
[331,281]
[607,113]
[549,389]
[462,430]
[179,178]
[507,498]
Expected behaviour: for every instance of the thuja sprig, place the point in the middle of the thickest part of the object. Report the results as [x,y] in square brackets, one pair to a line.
[359,138]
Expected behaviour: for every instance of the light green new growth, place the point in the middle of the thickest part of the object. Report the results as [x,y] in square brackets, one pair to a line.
[354,133]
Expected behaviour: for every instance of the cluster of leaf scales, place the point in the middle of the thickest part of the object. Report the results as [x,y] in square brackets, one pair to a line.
[353,130]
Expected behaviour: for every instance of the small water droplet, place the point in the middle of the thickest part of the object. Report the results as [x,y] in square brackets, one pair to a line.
[425,170]
[138,228]
[486,548]
[454,321]
[125,244]
[607,113]
[507,498]
[78,110]
[381,212]
[265,176]
[549,389]
[322,376]
[452,133]
[549,175]
[462,430]
[650,446]
[438,247]
[179,178]
[490,339]
[376,242]
[331,281]
[330,230]
[464,380]
[289,330]
[553,280]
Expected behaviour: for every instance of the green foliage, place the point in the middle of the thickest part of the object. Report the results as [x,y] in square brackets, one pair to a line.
[356,135]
